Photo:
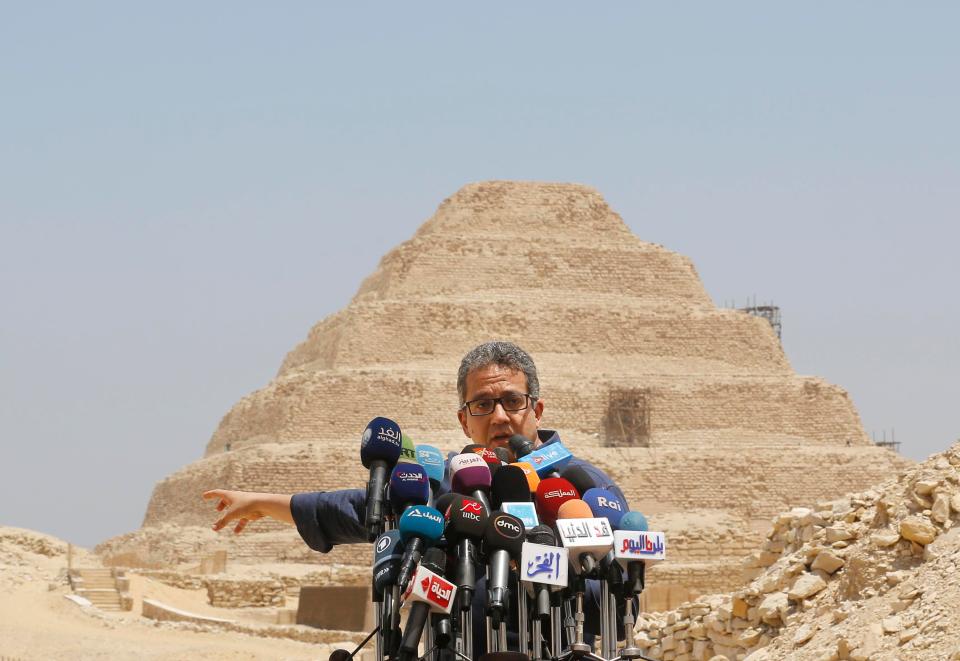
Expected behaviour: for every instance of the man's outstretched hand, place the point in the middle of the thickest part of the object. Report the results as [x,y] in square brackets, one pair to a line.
[246,506]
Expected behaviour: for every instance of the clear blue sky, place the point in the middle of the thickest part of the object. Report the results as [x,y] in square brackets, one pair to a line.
[185,188]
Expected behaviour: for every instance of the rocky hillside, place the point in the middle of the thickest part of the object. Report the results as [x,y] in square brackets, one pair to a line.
[874,575]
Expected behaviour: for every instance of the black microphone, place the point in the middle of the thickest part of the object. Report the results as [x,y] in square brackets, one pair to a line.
[436,594]
[466,522]
[502,541]
[521,445]
[380,448]
[509,485]
[579,478]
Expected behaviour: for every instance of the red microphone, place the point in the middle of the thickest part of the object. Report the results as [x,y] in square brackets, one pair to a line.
[551,494]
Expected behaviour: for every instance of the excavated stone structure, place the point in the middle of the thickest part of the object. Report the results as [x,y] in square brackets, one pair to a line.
[694,410]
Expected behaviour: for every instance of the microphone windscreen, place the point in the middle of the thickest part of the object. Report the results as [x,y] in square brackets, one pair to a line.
[521,445]
[493,461]
[533,480]
[542,535]
[509,485]
[466,518]
[444,501]
[551,494]
[579,478]
[504,531]
[432,461]
[468,473]
[381,441]
[503,454]
[421,521]
[387,547]
[435,560]
[634,521]
[473,448]
[605,503]
[408,486]
[575,509]
[408,451]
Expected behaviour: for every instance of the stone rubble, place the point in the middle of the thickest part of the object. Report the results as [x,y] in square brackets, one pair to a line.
[872,576]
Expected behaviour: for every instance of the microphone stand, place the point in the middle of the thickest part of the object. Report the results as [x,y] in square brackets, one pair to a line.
[578,649]
[635,584]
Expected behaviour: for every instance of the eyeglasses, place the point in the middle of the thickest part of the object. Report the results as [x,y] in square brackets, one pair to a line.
[511,402]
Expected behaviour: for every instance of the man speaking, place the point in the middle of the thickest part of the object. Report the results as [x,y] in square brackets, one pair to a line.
[499,394]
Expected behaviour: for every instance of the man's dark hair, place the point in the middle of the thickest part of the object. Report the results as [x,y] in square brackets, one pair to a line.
[505,354]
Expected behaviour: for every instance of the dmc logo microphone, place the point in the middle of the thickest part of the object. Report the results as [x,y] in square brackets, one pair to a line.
[612,504]
[508,527]
[560,493]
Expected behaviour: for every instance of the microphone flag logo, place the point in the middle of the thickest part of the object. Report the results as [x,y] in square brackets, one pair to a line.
[472,506]
[383,544]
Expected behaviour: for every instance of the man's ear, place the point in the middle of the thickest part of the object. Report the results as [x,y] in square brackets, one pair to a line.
[538,411]
[462,417]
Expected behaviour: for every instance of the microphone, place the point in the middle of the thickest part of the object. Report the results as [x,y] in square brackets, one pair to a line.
[502,540]
[386,562]
[579,478]
[408,486]
[605,504]
[509,485]
[588,538]
[469,474]
[533,480]
[493,461]
[635,544]
[503,454]
[419,527]
[380,448]
[408,451]
[543,568]
[510,492]
[521,446]
[551,494]
[466,521]
[429,592]
[473,448]
[444,501]
[432,461]
[549,460]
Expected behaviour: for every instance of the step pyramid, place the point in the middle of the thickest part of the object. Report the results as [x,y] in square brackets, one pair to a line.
[693,409]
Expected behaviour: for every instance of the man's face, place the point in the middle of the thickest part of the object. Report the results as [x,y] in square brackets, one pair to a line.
[494,430]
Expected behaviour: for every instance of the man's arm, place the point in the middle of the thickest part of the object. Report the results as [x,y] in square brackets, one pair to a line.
[246,506]
[323,519]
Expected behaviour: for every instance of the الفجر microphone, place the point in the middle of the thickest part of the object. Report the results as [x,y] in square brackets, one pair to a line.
[420,527]
[380,448]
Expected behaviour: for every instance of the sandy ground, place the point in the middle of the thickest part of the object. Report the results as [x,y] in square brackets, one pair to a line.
[36,623]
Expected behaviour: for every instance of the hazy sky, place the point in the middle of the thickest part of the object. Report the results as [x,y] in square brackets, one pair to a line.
[185,188]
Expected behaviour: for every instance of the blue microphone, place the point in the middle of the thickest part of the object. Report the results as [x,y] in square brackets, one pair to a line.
[635,568]
[549,460]
[408,486]
[605,503]
[420,527]
[432,461]
[388,550]
[380,448]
